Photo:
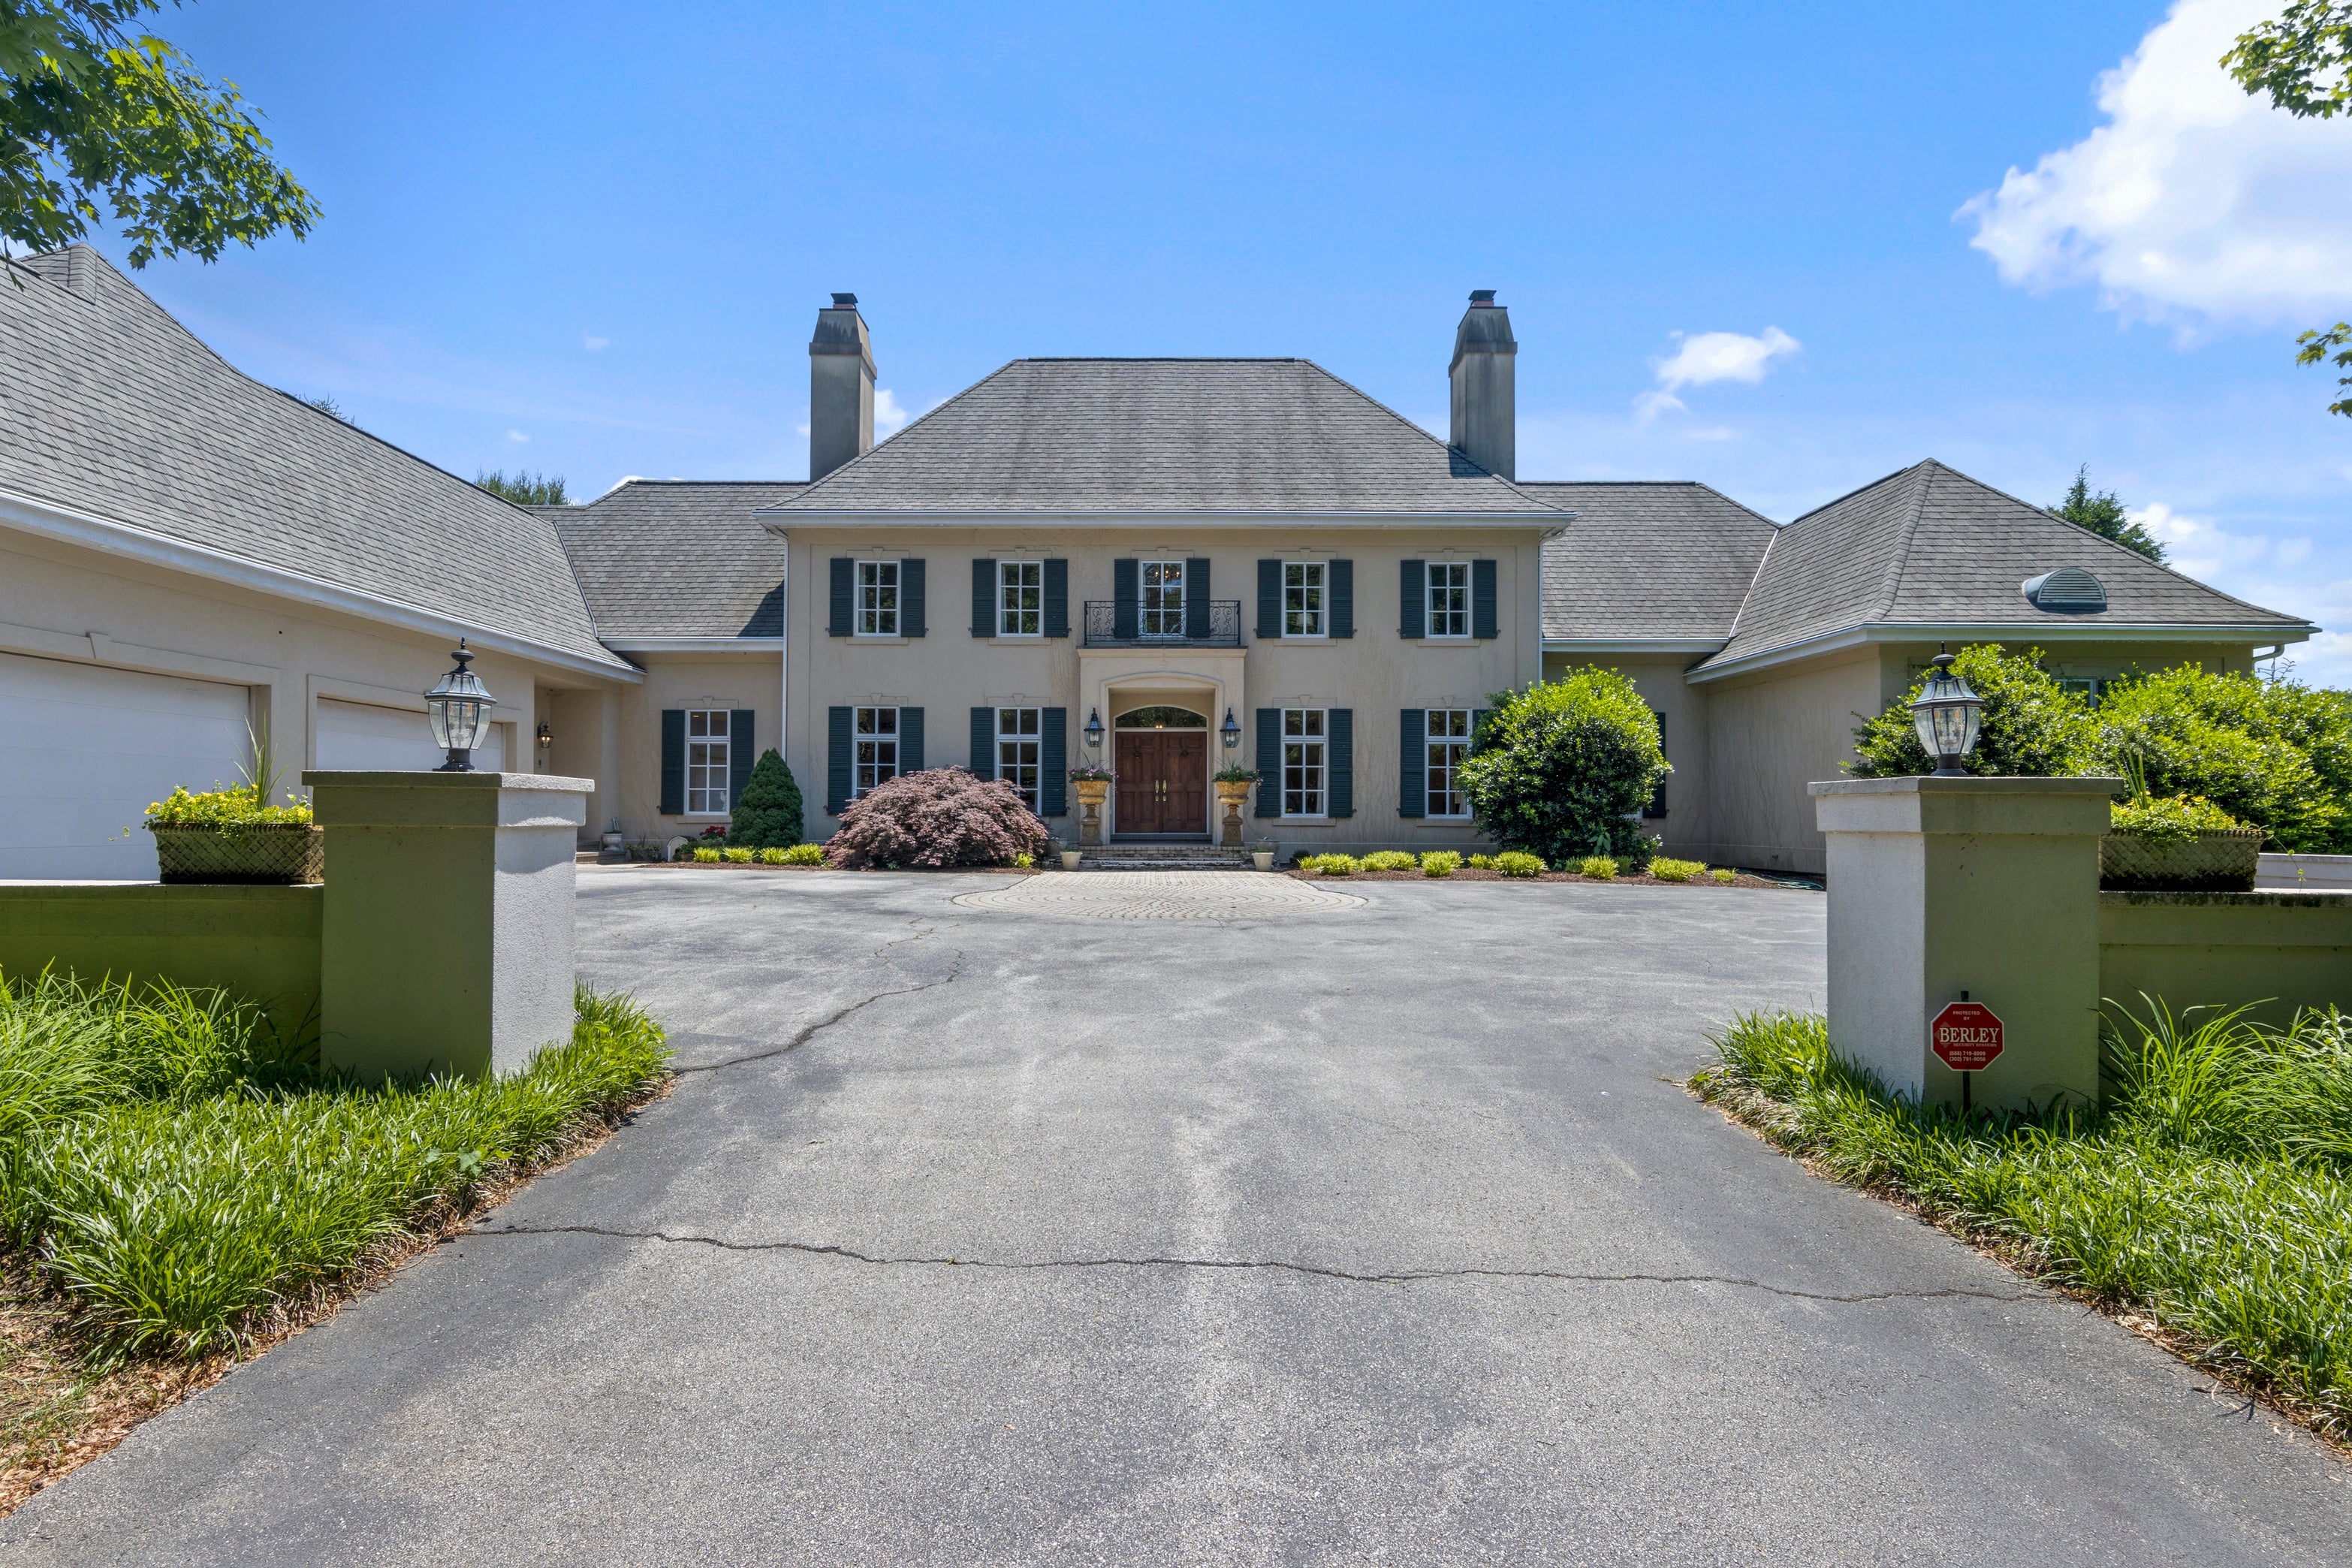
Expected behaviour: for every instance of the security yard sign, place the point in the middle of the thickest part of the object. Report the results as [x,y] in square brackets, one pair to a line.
[1966,1035]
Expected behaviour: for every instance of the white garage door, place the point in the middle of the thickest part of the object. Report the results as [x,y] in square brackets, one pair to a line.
[83,750]
[359,736]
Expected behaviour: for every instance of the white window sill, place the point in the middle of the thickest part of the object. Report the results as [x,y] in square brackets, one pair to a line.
[1301,636]
[1021,639]
[871,639]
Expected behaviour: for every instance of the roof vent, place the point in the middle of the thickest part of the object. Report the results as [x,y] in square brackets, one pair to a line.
[2068,591]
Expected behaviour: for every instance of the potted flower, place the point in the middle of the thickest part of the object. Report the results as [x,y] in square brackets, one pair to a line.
[235,836]
[1092,787]
[1233,783]
[2177,844]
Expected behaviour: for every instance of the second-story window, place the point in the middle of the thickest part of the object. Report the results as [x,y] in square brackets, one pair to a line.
[1163,598]
[1449,598]
[1302,599]
[1020,598]
[878,598]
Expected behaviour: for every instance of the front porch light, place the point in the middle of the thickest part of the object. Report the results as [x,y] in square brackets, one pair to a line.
[1231,732]
[460,709]
[1945,715]
[1094,730]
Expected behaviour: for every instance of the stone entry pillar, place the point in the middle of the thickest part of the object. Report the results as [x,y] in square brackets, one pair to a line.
[1988,885]
[445,943]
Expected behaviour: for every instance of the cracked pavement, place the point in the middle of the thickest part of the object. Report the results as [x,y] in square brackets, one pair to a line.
[1376,1234]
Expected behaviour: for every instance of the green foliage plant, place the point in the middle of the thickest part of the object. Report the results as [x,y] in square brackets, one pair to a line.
[1234,773]
[1482,862]
[2104,515]
[1389,861]
[1331,864]
[736,857]
[769,814]
[223,808]
[2210,1190]
[2168,819]
[2032,725]
[1724,874]
[804,855]
[706,856]
[1564,768]
[1600,868]
[520,487]
[2275,755]
[1671,870]
[1519,863]
[772,856]
[1440,863]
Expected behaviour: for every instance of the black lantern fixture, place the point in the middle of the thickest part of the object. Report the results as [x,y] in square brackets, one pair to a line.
[460,709]
[546,735]
[1231,733]
[1094,730]
[1945,715]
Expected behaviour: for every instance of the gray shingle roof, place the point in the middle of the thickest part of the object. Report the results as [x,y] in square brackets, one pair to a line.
[1220,436]
[1930,546]
[679,558]
[113,408]
[1648,561]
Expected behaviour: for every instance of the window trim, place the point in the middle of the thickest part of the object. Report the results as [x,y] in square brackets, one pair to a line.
[898,610]
[1322,738]
[1428,610]
[1003,635]
[1322,615]
[897,739]
[1035,737]
[724,737]
[1470,720]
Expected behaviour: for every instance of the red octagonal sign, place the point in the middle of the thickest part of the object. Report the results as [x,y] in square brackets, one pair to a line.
[1966,1035]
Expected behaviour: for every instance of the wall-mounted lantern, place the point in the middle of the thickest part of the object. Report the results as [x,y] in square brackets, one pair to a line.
[1946,714]
[1094,730]
[460,709]
[546,734]
[1231,733]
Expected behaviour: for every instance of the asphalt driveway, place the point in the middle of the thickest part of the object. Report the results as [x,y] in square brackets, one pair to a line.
[1374,1234]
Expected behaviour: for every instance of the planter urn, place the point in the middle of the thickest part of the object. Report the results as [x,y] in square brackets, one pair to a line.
[1232,794]
[277,854]
[2220,860]
[1091,793]
[1070,859]
[1261,858]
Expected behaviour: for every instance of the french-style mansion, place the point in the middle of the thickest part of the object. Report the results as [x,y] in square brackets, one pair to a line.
[1166,566]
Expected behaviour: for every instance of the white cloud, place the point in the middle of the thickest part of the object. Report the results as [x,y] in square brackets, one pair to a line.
[888,417]
[1706,357]
[2196,200]
[596,343]
[516,435]
[2263,570]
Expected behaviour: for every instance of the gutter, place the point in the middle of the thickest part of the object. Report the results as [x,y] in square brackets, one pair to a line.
[2008,632]
[49,520]
[776,520]
[694,644]
[1633,645]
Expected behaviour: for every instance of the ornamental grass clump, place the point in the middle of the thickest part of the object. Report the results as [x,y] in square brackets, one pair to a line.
[2210,1191]
[801,855]
[1724,874]
[1330,865]
[1440,863]
[1599,867]
[1388,860]
[1482,862]
[1518,863]
[738,857]
[772,857]
[705,856]
[937,817]
[1666,870]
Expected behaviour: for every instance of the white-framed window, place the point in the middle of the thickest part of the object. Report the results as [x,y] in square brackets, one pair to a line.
[1303,760]
[1449,598]
[1448,743]
[1020,598]
[1163,598]
[1019,734]
[877,599]
[1303,603]
[707,764]
[876,756]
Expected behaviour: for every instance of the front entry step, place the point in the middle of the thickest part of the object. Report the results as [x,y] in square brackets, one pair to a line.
[1163,857]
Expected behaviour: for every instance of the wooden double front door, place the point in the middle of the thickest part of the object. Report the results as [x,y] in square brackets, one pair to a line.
[1163,782]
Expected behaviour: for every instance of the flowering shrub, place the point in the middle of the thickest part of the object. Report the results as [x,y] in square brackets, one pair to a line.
[939,816]
[222,808]
[1440,863]
[2175,819]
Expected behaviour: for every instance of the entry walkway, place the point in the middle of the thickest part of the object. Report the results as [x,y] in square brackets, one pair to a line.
[1380,1234]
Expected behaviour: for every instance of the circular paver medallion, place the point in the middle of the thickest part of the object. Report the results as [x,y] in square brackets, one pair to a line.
[1161,895]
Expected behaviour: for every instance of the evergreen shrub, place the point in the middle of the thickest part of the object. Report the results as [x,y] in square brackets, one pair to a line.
[1564,768]
[769,814]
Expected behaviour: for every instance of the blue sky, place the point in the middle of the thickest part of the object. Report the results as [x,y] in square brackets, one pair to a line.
[1770,247]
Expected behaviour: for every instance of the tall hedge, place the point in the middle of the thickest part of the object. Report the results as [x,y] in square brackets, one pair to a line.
[1564,768]
[769,814]
[2031,726]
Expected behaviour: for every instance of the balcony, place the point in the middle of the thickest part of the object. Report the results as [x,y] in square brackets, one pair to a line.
[1223,626]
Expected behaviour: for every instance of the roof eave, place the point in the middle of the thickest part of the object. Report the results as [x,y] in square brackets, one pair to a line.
[1633,645]
[766,644]
[777,519]
[2256,632]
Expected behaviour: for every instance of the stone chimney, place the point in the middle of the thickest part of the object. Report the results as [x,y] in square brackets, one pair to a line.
[1486,400]
[841,387]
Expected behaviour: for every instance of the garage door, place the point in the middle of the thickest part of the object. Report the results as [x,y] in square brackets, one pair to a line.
[84,750]
[361,736]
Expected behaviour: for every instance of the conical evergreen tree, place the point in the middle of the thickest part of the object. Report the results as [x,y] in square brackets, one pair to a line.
[770,816]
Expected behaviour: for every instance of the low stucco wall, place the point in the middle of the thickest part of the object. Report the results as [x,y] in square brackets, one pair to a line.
[2279,951]
[258,943]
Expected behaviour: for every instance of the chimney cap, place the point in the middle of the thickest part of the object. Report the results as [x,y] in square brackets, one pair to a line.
[1477,296]
[849,302]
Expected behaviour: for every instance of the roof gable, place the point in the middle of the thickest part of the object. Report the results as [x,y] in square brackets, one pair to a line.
[1648,561]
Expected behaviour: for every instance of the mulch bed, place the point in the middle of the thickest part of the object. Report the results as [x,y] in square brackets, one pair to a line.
[1478,874]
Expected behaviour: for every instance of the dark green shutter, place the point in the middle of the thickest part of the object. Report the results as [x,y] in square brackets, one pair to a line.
[1057,598]
[983,741]
[1412,589]
[1483,622]
[1053,762]
[844,574]
[1196,597]
[983,598]
[1657,806]
[1339,761]
[910,740]
[1269,598]
[839,752]
[1269,761]
[1126,599]
[1339,598]
[672,762]
[740,753]
[910,598]
[1412,780]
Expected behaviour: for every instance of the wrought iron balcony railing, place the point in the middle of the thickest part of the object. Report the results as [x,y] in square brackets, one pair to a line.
[1210,623]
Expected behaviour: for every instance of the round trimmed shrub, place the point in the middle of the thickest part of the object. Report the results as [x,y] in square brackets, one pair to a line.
[1564,768]
[939,816]
[2031,726]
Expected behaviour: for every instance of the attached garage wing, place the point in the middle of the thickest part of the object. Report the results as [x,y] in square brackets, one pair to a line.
[87,748]
[362,737]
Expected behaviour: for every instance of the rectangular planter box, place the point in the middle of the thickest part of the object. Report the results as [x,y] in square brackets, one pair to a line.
[262,855]
[2216,862]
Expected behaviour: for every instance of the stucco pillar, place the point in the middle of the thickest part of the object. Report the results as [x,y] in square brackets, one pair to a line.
[608,766]
[1988,885]
[446,944]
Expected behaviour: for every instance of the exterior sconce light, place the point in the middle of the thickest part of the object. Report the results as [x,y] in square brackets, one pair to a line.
[1945,715]
[546,734]
[459,708]
[1094,730]
[1231,734]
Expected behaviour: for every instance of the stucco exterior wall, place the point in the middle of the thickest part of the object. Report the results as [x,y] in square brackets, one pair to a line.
[1771,734]
[729,681]
[1376,673]
[1682,709]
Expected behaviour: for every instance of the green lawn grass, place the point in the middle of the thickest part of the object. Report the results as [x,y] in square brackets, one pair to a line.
[177,1172]
[2211,1192]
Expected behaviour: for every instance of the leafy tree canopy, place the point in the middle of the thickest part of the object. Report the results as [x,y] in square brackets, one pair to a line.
[100,123]
[2102,514]
[769,814]
[525,489]
[2031,726]
[1563,769]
